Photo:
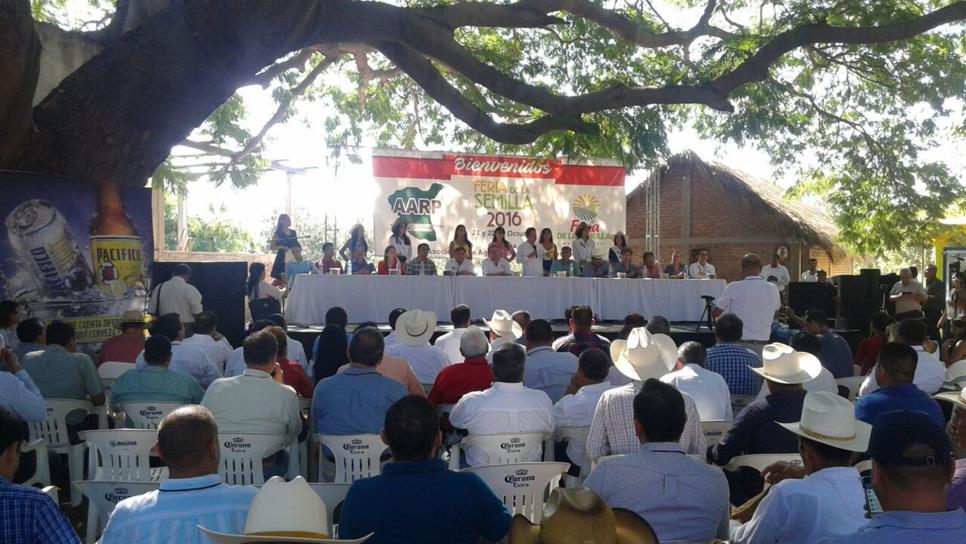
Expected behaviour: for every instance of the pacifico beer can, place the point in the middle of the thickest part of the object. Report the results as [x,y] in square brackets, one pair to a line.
[40,236]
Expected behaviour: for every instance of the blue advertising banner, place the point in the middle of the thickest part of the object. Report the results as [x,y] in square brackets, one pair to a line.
[74,250]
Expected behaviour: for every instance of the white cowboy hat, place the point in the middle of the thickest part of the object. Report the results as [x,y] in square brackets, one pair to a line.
[639,357]
[782,364]
[669,350]
[503,324]
[415,327]
[830,419]
[956,397]
[283,512]
[956,375]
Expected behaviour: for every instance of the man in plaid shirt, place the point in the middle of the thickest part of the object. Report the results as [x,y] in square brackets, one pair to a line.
[582,338]
[27,515]
[733,360]
[422,265]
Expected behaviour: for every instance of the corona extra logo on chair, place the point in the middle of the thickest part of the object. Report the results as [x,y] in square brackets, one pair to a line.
[117,494]
[238,445]
[150,411]
[520,478]
[513,445]
[355,446]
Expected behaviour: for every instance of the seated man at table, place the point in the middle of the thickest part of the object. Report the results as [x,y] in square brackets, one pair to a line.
[597,268]
[565,263]
[459,265]
[422,265]
[625,266]
[494,265]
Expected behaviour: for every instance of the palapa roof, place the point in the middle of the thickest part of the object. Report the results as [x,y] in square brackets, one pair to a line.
[811,223]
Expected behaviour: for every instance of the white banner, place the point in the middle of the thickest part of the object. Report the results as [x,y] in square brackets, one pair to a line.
[436,192]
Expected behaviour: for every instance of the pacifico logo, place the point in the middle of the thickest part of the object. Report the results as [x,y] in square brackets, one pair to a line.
[121,443]
[585,207]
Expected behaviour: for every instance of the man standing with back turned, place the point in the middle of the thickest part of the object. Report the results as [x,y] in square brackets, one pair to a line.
[753,300]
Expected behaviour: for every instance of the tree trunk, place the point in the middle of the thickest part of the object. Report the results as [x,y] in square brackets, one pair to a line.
[19,69]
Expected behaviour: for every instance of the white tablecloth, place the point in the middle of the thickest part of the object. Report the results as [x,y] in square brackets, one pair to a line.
[677,300]
[544,298]
[371,298]
[366,298]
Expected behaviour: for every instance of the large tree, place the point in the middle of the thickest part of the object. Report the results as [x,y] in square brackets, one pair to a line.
[845,94]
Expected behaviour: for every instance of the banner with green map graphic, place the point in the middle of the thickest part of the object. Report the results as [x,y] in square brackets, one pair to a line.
[436,192]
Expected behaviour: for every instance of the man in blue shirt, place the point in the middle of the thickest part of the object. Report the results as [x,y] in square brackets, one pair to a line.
[27,514]
[547,370]
[733,360]
[356,401]
[298,266]
[32,333]
[836,354]
[192,495]
[417,500]
[911,470]
[156,382]
[894,372]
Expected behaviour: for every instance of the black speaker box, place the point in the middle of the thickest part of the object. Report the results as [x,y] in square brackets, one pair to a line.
[872,278]
[222,287]
[853,289]
[802,296]
[858,315]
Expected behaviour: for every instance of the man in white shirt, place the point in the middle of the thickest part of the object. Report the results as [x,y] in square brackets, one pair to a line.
[701,269]
[184,358]
[459,265]
[207,339]
[528,257]
[930,371]
[576,407]
[830,500]
[177,296]
[459,316]
[506,407]
[708,389]
[811,275]
[494,265]
[753,300]
[258,401]
[908,295]
[778,271]
[414,329]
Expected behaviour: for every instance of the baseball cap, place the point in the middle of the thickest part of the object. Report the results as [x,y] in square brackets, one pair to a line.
[893,432]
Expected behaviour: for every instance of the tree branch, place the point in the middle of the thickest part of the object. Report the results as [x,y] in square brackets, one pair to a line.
[20,68]
[296,61]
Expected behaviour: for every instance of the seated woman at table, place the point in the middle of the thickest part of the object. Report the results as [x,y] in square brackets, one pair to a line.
[651,268]
[676,269]
[547,250]
[359,264]
[565,263]
[390,263]
[626,265]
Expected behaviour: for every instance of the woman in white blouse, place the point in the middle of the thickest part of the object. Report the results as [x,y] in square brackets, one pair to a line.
[400,240]
[258,287]
[583,246]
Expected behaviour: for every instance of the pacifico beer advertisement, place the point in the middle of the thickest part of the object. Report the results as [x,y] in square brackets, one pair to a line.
[435,192]
[74,251]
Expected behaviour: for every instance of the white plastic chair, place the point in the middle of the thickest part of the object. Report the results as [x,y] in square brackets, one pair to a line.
[500,449]
[41,473]
[54,432]
[738,402]
[357,456]
[715,429]
[122,455]
[52,492]
[576,436]
[103,497]
[760,461]
[856,370]
[305,408]
[242,454]
[522,487]
[596,462]
[332,496]
[109,372]
[148,415]
[853,383]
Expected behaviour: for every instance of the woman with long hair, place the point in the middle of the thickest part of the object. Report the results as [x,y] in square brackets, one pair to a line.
[400,240]
[283,239]
[264,299]
[357,238]
[583,246]
[620,242]
[460,239]
[546,250]
[331,352]
[390,263]
[504,249]
[676,269]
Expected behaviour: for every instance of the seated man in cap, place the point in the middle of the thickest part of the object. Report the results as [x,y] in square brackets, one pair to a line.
[598,268]
[830,500]
[193,494]
[452,507]
[911,470]
[681,498]
[188,360]
[126,346]
[754,430]
[895,369]
[156,382]
[27,514]
[506,407]
[930,371]
[413,329]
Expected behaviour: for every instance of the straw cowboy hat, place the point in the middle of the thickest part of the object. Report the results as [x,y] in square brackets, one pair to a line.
[580,516]
[782,364]
[641,356]
[956,397]
[132,317]
[503,325]
[283,512]
[415,327]
[830,419]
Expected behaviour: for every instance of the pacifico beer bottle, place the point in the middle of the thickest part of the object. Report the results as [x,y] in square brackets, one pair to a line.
[115,244]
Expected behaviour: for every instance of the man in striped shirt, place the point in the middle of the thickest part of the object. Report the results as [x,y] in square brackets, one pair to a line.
[194,493]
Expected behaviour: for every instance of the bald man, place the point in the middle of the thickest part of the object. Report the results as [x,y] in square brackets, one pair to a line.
[193,494]
[753,300]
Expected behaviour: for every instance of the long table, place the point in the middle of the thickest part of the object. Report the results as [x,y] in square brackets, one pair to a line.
[371,298]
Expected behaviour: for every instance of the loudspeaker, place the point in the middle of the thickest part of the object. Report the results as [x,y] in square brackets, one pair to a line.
[222,287]
[872,278]
[858,315]
[802,296]
[853,289]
